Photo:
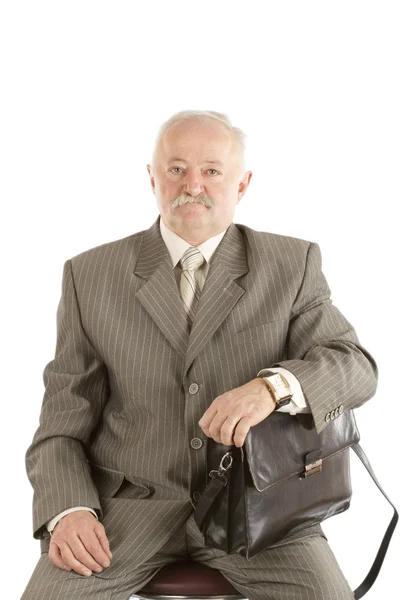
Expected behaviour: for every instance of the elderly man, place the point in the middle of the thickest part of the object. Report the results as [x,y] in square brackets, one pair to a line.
[164,340]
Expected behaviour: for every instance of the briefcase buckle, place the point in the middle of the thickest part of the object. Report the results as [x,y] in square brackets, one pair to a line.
[312,468]
[224,466]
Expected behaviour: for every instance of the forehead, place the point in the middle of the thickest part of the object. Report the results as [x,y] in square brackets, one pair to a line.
[206,140]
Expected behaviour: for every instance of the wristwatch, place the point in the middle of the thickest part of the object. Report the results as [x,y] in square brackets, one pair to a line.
[278,386]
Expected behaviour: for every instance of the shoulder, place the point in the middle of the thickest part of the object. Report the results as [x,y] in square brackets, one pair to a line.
[104,255]
[287,253]
[266,241]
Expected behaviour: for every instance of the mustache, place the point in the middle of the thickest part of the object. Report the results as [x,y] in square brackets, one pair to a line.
[184,199]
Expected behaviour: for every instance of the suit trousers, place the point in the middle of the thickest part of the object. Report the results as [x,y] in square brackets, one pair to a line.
[299,567]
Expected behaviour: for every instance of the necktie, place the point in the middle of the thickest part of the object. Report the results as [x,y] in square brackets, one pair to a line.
[191,260]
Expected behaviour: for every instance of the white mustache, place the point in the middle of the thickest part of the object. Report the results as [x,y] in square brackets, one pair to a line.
[184,199]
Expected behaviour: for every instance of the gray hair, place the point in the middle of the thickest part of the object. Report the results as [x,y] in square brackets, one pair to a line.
[239,135]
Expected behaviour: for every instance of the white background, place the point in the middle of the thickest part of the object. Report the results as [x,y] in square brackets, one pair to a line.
[315,85]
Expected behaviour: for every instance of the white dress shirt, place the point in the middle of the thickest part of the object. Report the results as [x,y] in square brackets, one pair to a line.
[176,247]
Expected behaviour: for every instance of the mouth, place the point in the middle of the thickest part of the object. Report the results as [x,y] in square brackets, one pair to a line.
[192,204]
[183,200]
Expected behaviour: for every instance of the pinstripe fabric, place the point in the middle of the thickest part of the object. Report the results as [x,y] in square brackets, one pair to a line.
[300,569]
[118,411]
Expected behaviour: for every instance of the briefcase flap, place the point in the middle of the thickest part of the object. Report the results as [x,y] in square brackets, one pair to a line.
[282,445]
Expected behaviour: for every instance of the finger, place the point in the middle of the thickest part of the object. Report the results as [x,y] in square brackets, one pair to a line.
[226,421]
[228,429]
[219,419]
[93,547]
[242,429]
[103,539]
[81,552]
[206,420]
[56,558]
[70,560]
[77,557]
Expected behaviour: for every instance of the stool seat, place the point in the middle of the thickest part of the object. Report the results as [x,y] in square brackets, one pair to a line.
[189,578]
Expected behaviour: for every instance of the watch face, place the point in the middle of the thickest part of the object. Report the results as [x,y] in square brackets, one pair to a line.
[280,385]
[277,380]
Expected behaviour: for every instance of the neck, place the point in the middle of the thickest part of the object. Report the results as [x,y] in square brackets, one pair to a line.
[195,237]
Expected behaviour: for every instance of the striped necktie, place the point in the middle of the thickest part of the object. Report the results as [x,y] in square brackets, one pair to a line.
[191,260]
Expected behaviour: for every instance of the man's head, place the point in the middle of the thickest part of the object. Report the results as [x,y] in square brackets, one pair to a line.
[198,173]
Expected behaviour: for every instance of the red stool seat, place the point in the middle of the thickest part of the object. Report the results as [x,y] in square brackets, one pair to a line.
[189,578]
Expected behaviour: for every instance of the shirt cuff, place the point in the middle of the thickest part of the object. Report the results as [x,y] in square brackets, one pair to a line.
[298,403]
[51,524]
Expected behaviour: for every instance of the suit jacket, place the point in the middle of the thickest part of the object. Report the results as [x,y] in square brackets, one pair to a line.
[129,382]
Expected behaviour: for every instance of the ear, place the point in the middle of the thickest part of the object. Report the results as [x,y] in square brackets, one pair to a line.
[243,185]
[153,187]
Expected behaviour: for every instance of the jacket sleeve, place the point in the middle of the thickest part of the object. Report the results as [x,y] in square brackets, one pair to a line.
[323,351]
[76,390]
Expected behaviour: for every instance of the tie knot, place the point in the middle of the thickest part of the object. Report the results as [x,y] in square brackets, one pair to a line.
[191,259]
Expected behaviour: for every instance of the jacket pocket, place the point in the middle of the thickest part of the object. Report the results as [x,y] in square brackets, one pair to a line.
[272,331]
[262,345]
[107,481]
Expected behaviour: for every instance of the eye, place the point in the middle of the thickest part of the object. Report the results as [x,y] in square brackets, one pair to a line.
[175,169]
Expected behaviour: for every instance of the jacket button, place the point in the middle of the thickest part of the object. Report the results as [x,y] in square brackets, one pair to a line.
[196,495]
[193,388]
[341,409]
[337,412]
[328,417]
[332,415]
[196,443]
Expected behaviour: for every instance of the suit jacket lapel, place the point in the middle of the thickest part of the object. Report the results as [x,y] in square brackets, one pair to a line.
[220,292]
[161,298]
[160,295]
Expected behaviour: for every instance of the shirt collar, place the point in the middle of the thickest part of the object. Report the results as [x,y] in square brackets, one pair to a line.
[176,245]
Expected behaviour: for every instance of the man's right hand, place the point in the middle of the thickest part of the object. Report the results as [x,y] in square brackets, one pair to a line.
[79,543]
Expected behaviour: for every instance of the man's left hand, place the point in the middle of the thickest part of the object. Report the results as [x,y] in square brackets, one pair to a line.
[229,418]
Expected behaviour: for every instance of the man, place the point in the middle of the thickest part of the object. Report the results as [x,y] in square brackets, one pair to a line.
[164,338]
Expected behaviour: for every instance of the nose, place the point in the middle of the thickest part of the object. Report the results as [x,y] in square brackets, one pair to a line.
[193,183]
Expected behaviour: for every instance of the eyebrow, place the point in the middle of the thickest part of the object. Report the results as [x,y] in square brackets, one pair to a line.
[215,162]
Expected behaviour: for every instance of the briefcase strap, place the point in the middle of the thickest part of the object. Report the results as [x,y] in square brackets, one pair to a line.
[377,564]
[219,480]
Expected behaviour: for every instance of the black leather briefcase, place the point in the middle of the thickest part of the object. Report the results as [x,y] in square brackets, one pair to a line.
[285,478]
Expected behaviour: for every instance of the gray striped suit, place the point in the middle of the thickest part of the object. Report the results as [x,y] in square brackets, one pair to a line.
[119,411]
